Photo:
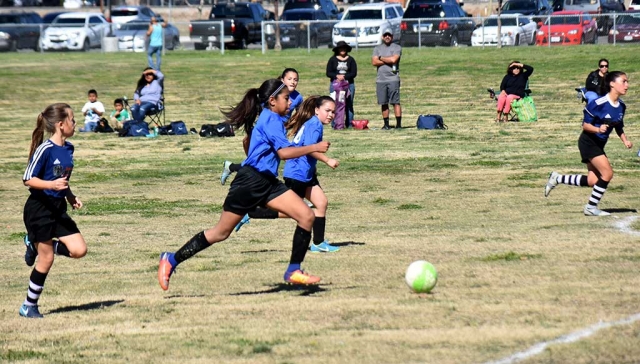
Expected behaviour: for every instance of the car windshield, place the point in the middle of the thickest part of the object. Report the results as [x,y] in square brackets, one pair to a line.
[629,19]
[4,19]
[297,16]
[493,22]
[560,20]
[424,11]
[363,14]
[301,4]
[124,13]
[68,22]
[523,6]
[134,26]
[230,11]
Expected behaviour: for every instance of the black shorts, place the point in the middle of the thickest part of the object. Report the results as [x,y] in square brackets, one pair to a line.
[251,189]
[46,218]
[590,147]
[299,187]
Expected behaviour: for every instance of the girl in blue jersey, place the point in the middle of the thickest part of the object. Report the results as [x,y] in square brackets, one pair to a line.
[601,117]
[290,78]
[300,173]
[256,184]
[45,212]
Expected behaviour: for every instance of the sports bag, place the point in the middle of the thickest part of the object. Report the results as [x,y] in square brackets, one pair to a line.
[134,128]
[217,130]
[103,127]
[360,124]
[525,109]
[430,121]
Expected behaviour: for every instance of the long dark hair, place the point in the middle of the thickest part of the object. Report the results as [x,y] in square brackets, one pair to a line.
[142,82]
[306,111]
[46,122]
[251,105]
[611,77]
[511,67]
[287,70]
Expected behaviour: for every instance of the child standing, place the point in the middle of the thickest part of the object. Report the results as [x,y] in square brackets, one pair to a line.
[92,112]
[256,183]
[300,173]
[290,78]
[45,212]
[119,115]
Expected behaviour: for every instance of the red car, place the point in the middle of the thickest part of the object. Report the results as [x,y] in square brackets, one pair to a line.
[568,27]
[627,28]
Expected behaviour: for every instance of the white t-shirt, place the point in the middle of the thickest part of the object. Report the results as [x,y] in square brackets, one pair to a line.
[91,116]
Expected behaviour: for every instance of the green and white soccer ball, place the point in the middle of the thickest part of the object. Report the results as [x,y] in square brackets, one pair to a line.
[421,276]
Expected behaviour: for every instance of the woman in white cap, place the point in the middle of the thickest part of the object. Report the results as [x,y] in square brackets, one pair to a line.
[341,66]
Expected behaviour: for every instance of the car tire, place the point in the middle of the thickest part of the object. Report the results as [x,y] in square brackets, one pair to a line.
[314,42]
[13,46]
[533,38]
[582,39]
[454,40]
[86,46]
[199,46]
[517,41]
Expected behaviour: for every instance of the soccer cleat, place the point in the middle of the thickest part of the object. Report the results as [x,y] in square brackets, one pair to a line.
[386,127]
[551,183]
[226,172]
[31,253]
[165,270]
[30,311]
[323,247]
[245,220]
[300,277]
[590,210]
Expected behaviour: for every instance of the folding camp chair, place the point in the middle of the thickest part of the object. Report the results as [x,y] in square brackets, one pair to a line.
[513,116]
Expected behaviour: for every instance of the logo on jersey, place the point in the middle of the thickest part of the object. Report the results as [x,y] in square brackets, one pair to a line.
[298,136]
[57,170]
[56,161]
[607,116]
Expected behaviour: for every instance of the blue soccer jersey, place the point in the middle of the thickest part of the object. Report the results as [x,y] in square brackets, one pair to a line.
[601,111]
[50,162]
[268,136]
[296,100]
[303,168]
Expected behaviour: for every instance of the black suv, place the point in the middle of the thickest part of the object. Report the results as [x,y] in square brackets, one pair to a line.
[441,23]
[20,30]
[537,8]
[327,6]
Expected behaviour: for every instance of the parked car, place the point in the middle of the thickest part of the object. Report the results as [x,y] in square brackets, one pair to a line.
[126,14]
[567,28]
[516,29]
[599,9]
[326,6]
[627,28]
[297,34]
[364,24]
[634,5]
[132,37]
[48,17]
[19,30]
[441,23]
[75,31]
[538,9]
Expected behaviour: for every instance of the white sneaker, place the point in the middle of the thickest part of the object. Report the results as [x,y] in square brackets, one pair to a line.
[551,183]
[226,172]
[594,211]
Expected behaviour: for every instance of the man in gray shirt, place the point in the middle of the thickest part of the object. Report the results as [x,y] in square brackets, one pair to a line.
[386,57]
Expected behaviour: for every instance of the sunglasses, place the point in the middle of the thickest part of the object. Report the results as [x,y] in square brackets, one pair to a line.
[604,66]
[387,35]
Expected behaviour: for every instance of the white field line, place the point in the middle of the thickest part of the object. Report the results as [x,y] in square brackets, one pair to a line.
[624,225]
[565,339]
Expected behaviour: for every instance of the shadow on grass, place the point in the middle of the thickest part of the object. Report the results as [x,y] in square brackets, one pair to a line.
[346,243]
[184,296]
[86,306]
[619,211]
[262,251]
[283,287]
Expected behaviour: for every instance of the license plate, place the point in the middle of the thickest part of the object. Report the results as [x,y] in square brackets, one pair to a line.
[212,38]
[422,28]
[555,39]
[628,37]
[286,39]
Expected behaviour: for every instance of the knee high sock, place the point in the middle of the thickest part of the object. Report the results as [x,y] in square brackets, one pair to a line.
[60,249]
[263,213]
[598,191]
[386,121]
[318,229]
[301,240]
[573,180]
[398,121]
[235,167]
[196,244]
[36,285]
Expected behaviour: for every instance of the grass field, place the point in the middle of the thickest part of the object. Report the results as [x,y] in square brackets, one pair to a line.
[515,268]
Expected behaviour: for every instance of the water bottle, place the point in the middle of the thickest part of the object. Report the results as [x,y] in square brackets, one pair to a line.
[394,69]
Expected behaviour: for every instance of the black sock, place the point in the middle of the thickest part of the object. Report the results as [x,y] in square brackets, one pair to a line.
[318,229]
[196,244]
[386,121]
[398,122]
[235,167]
[598,191]
[60,249]
[263,213]
[301,240]
[36,285]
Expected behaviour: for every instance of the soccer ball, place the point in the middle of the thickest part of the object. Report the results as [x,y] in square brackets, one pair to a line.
[421,276]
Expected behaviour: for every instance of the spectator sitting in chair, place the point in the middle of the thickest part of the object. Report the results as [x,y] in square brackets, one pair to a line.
[92,111]
[594,86]
[148,93]
[512,87]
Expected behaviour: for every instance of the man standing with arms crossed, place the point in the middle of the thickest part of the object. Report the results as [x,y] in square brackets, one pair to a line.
[386,57]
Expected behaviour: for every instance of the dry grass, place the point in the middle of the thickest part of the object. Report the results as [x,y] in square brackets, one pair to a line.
[515,268]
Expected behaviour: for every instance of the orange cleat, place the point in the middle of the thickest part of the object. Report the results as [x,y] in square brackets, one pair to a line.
[300,277]
[165,270]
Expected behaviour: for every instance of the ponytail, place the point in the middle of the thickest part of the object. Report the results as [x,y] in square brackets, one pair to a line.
[47,121]
[244,114]
[305,112]
[611,77]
